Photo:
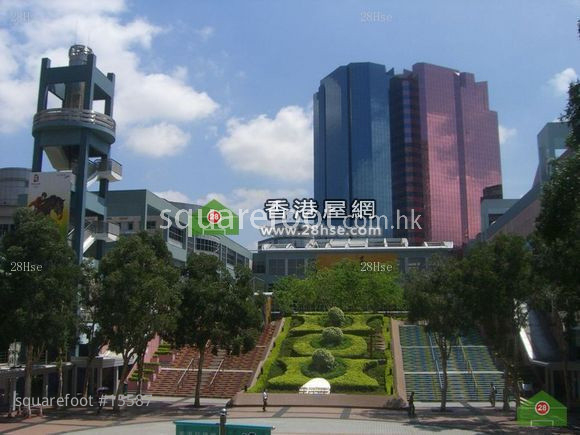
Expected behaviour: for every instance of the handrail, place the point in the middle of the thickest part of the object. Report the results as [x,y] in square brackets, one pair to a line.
[178,384]
[435,359]
[216,372]
[469,367]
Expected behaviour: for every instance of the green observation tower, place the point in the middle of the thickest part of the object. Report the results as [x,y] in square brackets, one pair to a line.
[77,140]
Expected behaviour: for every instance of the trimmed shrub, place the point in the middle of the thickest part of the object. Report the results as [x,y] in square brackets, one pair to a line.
[322,360]
[351,346]
[339,369]
[336,317]
[331,336]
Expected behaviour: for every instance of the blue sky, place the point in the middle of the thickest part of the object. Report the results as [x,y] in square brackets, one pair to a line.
[214,98]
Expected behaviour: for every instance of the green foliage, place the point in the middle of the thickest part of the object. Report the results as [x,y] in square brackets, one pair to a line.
[38,308]
[352,346]
[435,296]
[315,323]
[338,369]
[336,317]
[556,242]
[284,371]
[139,296]
[215,308]
[322,360]
[331,336]
[353,380]
[343,285]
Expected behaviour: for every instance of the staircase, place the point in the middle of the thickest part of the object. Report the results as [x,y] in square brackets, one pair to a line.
[223,375]
[470,367]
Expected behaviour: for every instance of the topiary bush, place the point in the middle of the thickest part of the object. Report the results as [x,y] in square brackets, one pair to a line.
[336,317]
[322,360]
[331,336]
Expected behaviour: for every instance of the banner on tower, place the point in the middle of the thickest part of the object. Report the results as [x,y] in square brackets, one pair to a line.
[49,194]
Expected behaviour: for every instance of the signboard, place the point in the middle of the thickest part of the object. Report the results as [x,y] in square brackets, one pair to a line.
[205,427]
[542,410]
[49,194]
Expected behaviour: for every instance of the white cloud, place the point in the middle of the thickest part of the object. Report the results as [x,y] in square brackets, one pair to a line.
[173,195]
[142,97]
[248,198]
[506,134]
[279,148]
[157,140]
[205,32]
[560,81]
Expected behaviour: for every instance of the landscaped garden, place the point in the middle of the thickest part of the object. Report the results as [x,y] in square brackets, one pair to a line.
[351,351]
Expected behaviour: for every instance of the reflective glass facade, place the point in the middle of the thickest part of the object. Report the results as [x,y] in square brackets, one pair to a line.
[406,157]
[352,139]
[460,146]
[422,141]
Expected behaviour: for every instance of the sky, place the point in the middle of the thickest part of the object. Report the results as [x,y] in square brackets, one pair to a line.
[214,99]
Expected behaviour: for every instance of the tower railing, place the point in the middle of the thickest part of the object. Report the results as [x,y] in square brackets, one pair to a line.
[76,115]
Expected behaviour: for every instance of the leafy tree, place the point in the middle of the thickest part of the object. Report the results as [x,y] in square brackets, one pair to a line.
[557,238]
[91,288]
[498,284]
[344,285]
[38,308]
[139,297]
[216,310]
[435,297]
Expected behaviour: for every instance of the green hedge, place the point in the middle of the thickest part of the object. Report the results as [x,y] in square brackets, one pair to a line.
[355,379]
[357,346]
[273,356]
[313,323]
[359,324]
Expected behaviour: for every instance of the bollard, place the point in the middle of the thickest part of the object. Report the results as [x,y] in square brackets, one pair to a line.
[223,419]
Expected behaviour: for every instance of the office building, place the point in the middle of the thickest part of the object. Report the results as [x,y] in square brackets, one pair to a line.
[352,139]
[423,141]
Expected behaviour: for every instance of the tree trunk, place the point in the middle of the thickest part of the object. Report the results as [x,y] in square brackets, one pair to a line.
[28,370]
[199,373]
[140,364]
[506,383]
[445,383]
[60,374]
[121,383]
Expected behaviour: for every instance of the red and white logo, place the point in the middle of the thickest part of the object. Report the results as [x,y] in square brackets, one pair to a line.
[542,407]
[214,216]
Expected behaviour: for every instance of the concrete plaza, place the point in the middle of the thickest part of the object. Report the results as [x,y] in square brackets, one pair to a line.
[158,417]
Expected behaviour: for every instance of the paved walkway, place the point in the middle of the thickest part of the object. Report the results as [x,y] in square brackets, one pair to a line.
[158,417]
[334,400]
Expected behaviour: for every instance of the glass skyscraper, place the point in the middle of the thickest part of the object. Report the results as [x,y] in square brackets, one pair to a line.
[352,139]
[424,140]
[460,147]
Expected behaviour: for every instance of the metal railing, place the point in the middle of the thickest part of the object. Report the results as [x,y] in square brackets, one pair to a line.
[180,380]
[216,372]
[469,367]
[75,115]
[106,165]
[105,227]
[435,359]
